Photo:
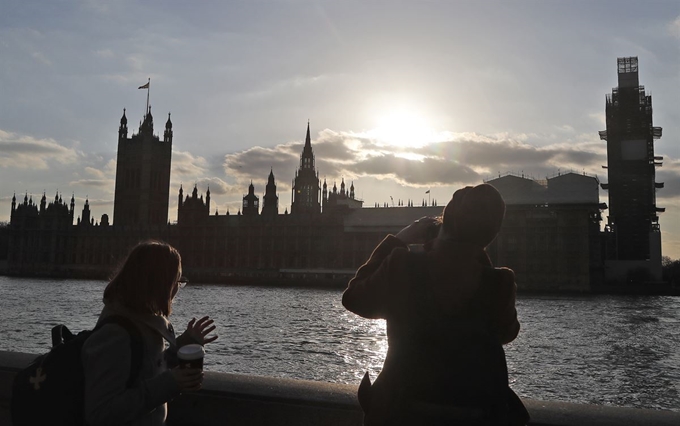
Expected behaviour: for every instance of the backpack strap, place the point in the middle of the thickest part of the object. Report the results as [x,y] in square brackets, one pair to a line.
[136,343]
[60,335]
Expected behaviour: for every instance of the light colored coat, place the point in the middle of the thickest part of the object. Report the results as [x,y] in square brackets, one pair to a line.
[106,357]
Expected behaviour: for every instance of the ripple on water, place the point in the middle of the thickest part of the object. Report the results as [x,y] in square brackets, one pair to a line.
[616,350]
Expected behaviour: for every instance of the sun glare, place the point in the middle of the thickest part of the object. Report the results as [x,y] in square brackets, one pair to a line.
[403,128]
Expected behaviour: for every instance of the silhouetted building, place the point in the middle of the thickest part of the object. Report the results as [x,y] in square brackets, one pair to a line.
[251,202]
[270,201]
[192,208]
[551,234]
[338,201]
[635,241]
[142,175]
[39,236]
[306,188]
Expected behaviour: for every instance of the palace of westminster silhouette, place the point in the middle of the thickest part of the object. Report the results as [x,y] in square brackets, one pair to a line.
[551,236]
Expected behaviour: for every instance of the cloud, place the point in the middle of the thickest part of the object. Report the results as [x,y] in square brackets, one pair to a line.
[565,128]
[104,53]
[600,117]
[218,187]
[674,27]
[99,7]
[95,172]
[40,57]
[256,163]
[669,174]
[186,165]
[110,168]
[337,147]
[27,152]
[283,86]
[464,158]
[426,172]
[94,183]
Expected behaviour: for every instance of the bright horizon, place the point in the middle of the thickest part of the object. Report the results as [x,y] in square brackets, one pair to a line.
[401,97]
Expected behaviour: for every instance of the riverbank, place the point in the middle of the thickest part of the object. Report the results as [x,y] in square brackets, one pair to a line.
[338,279]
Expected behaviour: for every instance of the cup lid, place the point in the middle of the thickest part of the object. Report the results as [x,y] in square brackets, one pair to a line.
[190,352]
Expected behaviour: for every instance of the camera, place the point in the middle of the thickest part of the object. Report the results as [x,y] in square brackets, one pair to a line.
[433,230]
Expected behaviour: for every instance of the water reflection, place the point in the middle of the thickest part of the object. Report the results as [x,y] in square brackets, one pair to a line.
[591,349]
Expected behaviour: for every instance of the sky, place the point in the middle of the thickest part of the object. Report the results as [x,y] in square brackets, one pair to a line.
[401,96]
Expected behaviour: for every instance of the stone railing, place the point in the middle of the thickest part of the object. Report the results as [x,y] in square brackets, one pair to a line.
[236,400]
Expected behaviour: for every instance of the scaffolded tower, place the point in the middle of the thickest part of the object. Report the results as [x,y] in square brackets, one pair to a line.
[631,164]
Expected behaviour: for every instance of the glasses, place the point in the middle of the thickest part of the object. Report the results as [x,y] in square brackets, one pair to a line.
[182,281]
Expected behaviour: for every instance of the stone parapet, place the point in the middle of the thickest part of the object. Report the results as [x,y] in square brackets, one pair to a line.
[237,399]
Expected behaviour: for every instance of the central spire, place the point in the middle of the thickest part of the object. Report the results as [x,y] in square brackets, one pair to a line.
[307,157]
[306,187]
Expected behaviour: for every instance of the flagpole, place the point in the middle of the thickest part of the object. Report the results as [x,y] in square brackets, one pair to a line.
[148,89]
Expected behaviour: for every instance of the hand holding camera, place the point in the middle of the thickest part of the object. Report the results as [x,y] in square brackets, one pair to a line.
[420,231]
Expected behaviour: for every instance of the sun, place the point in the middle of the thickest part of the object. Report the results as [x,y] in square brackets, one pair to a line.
[403,128]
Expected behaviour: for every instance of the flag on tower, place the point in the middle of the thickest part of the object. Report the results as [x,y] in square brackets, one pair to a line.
[145,86]
[427,192]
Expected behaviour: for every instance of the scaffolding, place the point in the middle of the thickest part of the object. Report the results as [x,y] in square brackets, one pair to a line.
[631,163]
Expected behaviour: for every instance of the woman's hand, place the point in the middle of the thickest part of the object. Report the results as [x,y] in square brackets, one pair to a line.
[418,231]
[187,379]
[198,330]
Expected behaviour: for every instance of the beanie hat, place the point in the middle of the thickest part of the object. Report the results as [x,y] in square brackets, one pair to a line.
[474,215]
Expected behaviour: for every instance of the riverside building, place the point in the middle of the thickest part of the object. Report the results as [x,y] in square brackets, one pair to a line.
[551,236]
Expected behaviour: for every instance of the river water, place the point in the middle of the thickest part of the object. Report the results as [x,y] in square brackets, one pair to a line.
[613,350]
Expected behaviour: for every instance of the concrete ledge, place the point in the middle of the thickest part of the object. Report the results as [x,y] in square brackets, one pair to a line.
[236,399]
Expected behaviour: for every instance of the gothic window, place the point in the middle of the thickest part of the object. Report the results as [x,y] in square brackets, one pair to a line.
[307,196]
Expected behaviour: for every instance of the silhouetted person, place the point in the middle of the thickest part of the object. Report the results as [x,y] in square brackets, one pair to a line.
[448,312]
[142,291]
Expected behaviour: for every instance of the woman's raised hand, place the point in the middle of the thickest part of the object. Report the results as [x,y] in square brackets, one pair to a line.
[199,330]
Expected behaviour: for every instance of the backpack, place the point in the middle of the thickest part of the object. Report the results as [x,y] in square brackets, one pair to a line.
[51,390]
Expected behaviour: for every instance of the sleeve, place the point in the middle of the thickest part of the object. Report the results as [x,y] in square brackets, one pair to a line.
[186,339]
[171,353]
[106,357]
[367,293]
[506,320]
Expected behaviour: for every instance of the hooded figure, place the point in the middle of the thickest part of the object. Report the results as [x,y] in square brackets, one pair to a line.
[448,312]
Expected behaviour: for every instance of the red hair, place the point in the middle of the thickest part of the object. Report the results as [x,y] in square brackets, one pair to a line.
[146,281]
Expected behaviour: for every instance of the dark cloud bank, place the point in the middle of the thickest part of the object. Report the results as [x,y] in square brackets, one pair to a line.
[459,161]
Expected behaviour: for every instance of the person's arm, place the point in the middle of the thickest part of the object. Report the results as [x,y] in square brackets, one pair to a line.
[106,357]
[506,321]
[365,295]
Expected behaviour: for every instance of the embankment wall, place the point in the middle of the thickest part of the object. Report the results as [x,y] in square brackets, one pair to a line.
[237,400]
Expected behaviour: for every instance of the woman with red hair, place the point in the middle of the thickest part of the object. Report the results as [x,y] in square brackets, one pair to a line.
[141,294]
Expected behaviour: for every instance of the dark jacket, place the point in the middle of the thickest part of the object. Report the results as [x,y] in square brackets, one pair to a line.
[448,313]
[106,357]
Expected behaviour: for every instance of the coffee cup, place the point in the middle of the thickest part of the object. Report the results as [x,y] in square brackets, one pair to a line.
[191,356]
